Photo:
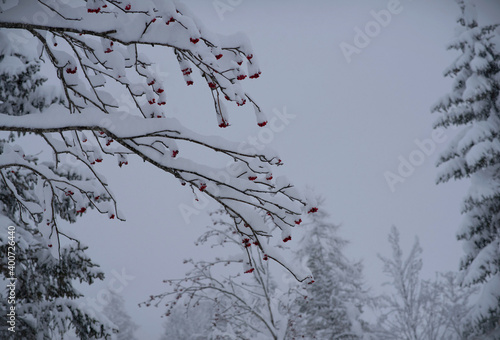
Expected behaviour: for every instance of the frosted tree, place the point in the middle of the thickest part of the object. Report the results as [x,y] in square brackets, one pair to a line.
[180,325]
[46,304]
[333,304]
[474,153]
[420,309]
[106,101]
[116,312]
[245,299]
[405,315]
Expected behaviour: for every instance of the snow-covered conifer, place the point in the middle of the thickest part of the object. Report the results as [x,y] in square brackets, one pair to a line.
[473,106]
[334,301]
[39,268]
[116,312]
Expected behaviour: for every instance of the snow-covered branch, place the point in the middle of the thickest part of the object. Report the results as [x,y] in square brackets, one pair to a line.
[109,101]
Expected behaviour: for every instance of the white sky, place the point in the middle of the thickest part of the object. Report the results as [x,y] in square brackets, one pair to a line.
[353,121]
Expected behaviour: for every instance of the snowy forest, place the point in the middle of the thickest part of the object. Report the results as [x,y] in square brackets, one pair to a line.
[235,169]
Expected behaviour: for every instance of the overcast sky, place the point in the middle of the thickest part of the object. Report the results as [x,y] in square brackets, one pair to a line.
[352,123]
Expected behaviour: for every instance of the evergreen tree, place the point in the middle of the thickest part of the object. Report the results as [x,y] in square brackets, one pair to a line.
[46,303]
[333,303]
[115,311]
[473,107]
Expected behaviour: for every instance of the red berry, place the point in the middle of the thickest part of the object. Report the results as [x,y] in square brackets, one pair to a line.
[151,82]
[262,124]
[310,282]
[128,7]
[313,210]
[83,141]
[265,257]
[55,44]
[286,239]
[269,178]
[82,210]
[97,198]
[161,103]
[249,271]
[252,178]
[189,82]
[255,76]
[212,85]
[112,216]
[245,240]
[250,56]
[152,101]
[203,187]
[108,50]
[98,160]
[194,41]
[223,125]
[227,98]
[160,90]
[256,243]
[50,245]
[104,6]
[154,19]
[218,56]
[239,62]
[241,76]
[170,20]
[298,221]
[174,153]
[187,71]
[247,225]
[72,71]
[242,102]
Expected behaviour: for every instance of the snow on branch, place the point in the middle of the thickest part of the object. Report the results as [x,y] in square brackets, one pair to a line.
[95,52]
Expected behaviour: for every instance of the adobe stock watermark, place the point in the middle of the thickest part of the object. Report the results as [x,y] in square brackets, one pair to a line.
[7,4]
[48,12]
[223,6]
[416,158]
[277,123]
[363,37]
[118,282]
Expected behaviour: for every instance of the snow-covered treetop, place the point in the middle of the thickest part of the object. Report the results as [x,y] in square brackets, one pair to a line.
[94,51]
[473,99]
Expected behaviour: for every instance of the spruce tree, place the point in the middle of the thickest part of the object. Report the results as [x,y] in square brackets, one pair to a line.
[335,299]
[40,272]
[473,107]
[115,311]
